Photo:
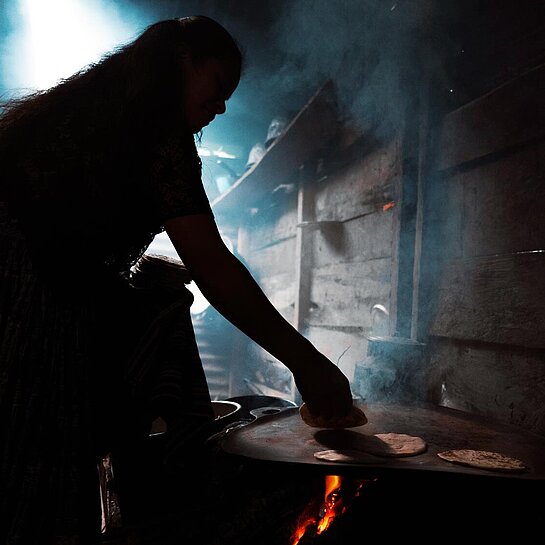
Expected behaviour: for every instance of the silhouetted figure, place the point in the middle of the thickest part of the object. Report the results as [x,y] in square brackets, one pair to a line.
[92,170]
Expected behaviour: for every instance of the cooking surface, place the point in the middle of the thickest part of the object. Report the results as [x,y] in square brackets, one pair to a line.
[284,437]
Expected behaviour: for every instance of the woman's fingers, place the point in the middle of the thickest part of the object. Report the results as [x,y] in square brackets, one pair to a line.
[355,417]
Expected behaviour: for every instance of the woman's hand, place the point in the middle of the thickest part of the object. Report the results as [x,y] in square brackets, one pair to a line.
[323,387]
[238,297]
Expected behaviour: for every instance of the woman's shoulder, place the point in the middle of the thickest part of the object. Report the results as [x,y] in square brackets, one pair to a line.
[176,152]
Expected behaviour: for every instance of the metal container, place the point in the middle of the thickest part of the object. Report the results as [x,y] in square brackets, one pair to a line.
[250,403]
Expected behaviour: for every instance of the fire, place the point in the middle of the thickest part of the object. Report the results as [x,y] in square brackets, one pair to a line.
[334,505]
[331,497]
[332,483]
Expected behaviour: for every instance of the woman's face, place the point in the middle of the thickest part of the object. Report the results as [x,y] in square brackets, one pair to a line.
[209,82]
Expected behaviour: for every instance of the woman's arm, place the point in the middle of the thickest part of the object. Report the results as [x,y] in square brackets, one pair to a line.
[231,289]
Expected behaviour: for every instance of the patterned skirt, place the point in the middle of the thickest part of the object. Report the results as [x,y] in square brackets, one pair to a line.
[83,372]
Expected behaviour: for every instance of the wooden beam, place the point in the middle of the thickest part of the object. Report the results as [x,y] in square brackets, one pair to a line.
[500,382]
[510,116]
[303,251]
[303,257]
[310,130]
[403,255]
[503,203]
[499,299]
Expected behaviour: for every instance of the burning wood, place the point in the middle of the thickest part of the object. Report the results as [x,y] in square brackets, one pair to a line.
[318,515]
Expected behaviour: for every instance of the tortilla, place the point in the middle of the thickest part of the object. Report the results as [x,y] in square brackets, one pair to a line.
[355,418]
[395,444]
[347,457]
[482,459]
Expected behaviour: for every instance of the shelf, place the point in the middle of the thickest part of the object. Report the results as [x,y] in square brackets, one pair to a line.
[309,131]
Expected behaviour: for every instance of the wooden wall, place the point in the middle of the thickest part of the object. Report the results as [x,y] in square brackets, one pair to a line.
[485,256]
[326,247]
[346,253]
[267,241]
[351,263]
[319,241]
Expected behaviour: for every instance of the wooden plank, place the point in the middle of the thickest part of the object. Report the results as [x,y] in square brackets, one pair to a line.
[343,294]
[509,116]
[404,232]
[303,251]
[270,225]
[280,290]
[362,239]
[361,187]
[498,299]
[243,242]
[442,229]
[303,257]
[345,348]
[266,373]
[503,204]
[310,130]
[272,260]
[507,385]
[424,170]
[441,240]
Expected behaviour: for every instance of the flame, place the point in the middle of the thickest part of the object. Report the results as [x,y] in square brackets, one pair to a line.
[331,508]
[301,531]
[318,516]
[332,483]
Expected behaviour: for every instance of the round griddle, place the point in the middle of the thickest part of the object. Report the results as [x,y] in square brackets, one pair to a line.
[284,437]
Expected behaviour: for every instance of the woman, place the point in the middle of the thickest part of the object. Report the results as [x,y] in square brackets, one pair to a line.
[92,169]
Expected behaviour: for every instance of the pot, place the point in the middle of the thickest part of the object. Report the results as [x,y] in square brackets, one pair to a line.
[225,412]
[250,403]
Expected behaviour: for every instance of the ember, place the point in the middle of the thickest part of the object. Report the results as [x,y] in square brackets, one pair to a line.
[318,515]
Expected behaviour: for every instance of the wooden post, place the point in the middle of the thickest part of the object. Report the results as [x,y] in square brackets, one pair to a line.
[303,257]
[408,237]
[423,170]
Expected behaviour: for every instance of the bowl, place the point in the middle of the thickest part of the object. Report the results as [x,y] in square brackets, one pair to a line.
[226,410]
[252,402]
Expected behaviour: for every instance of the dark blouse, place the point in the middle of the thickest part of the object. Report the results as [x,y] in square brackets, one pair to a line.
[90,210]
[74,350]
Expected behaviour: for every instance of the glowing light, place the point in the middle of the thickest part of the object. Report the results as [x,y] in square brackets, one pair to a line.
[224,155]
[206,152]
[332,483]
[332,507]
[335,503]
[163,246]
[64,36]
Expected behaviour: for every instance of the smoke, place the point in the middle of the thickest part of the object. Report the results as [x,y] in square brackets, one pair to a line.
[375,51]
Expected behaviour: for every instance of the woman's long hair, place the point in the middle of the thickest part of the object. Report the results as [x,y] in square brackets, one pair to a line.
[133,93]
